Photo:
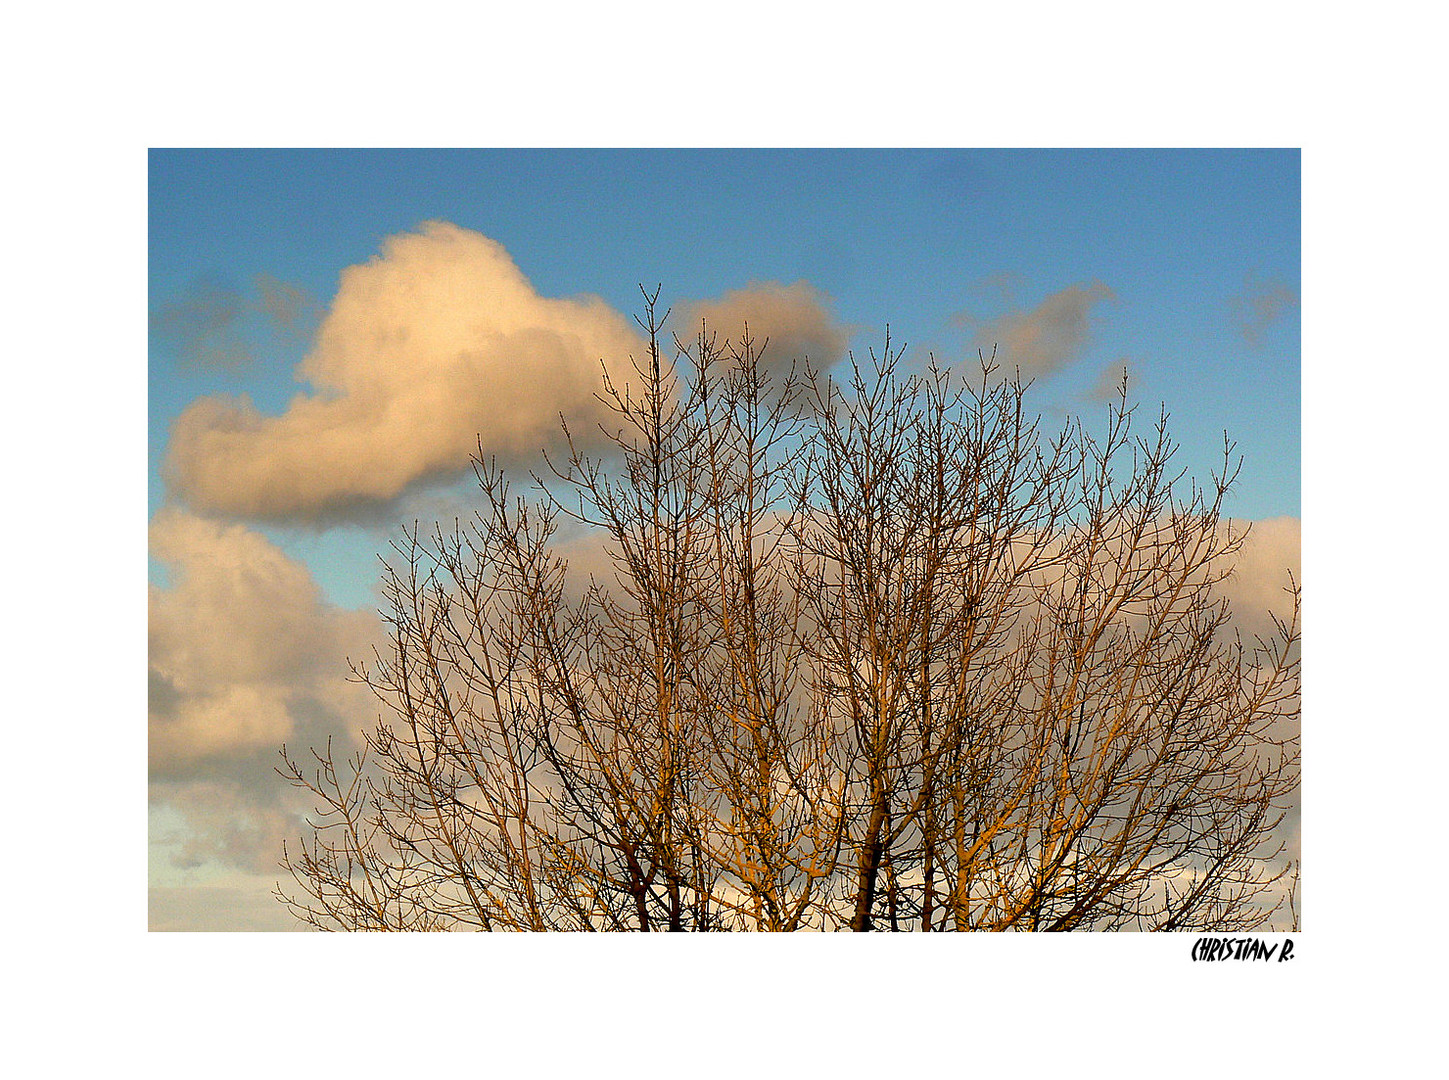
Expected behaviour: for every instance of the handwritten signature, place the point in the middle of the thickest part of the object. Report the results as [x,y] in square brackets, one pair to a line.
[1227,948]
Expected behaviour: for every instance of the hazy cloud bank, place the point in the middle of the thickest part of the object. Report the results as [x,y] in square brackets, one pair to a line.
[247,654]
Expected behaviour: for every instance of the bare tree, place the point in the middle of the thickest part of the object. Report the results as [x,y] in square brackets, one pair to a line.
[874,656]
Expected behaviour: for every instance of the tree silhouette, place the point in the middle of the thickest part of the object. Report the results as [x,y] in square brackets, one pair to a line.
[881,655]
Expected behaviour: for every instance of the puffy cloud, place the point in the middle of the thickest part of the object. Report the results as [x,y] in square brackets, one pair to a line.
[244,652]
[435,342]
[795,320]
[1046,338]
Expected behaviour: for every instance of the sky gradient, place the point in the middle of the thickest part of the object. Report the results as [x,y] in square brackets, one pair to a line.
[317,319]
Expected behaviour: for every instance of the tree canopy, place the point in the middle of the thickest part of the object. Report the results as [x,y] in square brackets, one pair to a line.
[880,655]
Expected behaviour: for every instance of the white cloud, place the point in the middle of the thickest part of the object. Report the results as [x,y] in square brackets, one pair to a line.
[245,653]
[435,342]
[244,650]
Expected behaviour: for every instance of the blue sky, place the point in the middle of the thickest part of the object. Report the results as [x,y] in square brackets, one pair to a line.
[1200,252]
[330,331]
